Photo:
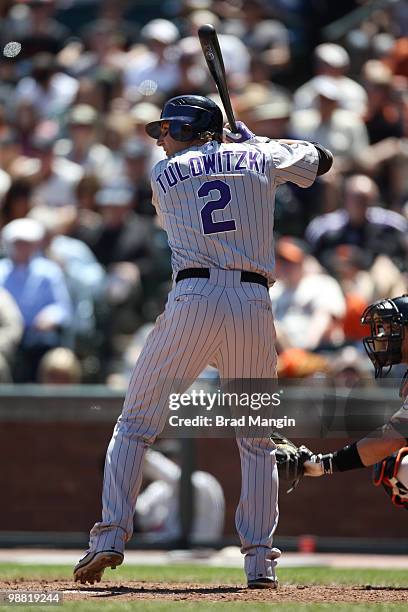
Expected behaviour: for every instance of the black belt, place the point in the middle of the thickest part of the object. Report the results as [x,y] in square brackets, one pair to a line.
[246,277]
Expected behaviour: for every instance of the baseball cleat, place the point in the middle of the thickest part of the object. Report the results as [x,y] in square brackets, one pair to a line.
[90,568]
[263,583]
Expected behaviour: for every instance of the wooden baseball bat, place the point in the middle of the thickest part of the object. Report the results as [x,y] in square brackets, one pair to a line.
[213,57]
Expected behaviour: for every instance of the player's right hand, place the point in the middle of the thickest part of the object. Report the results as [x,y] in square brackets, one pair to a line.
[242,135]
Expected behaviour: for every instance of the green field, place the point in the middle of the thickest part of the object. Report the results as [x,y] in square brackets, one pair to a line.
[203,575]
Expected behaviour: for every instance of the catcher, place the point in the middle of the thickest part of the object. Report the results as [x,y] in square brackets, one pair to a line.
[387,345]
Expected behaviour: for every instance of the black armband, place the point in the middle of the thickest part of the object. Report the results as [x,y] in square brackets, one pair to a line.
[345,459]
[325,158]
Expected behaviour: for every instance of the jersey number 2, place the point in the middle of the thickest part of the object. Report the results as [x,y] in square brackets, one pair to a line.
[210,226]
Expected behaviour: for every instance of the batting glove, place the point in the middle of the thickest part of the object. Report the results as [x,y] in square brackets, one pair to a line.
[242,135]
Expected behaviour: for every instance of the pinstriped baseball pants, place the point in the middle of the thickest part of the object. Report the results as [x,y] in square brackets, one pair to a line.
[218,321]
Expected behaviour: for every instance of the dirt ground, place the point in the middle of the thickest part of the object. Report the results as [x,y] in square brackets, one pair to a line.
[139,591]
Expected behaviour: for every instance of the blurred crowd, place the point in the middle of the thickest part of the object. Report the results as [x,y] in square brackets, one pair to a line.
[85,267]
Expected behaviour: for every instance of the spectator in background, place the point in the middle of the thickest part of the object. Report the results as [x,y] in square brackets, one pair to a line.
[387,278]
[267,39]
[235,53]
[26,120]
[332,61]
[122,235]
[117,129]
[342,131]
[399,17]
[10,149]
[193,76]
[121,377]
[141,114]
[299,363]
[59,366]
[103,50]
[137,176]
[84,276]
[362,223]
[16,202]
[38,287]
[268,112]
[87,220]
[8,81]
[114,11]
[53,178]
[362,283]
[124,244]
[82,147]
[349,264]
[11,330]
[91,92]
[382,117]
[50,91]
[397,59]
[33,24]
[5,184]
[154,70]
[308,305]
[158,506]
[352,328]
[85,192]
[386,160]
[350,368]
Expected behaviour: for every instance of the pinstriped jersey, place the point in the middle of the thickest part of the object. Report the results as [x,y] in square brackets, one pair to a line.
[216,201]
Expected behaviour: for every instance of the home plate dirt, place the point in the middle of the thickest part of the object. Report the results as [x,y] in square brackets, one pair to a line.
[139,591]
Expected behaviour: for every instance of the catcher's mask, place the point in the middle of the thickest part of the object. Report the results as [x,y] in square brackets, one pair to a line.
[188,117]
[387,320]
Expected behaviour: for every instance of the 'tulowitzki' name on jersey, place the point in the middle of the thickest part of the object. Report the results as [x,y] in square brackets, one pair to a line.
[214,163]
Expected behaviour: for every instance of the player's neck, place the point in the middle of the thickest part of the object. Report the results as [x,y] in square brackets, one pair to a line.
[185,146]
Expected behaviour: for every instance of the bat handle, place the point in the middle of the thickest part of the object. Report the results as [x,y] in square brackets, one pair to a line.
[231,119]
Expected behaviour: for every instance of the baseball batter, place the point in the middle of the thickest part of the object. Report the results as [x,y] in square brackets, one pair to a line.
[387,345]
[216,202]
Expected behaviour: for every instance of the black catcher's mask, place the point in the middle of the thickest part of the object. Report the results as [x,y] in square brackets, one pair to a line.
[387,320]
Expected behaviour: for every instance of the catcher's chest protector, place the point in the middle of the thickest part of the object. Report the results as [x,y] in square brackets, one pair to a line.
[385,474]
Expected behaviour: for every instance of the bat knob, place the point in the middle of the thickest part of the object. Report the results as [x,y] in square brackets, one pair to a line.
[206,29]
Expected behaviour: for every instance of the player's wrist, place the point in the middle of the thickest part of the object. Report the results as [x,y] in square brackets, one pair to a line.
[319,464]
[326,462]
[313,467]
[343,460]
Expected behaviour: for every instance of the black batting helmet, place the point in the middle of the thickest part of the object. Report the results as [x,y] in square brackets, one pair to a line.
[189,117]
[387,319]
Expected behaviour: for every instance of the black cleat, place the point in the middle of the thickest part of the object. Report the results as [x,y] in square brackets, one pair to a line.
[263,583]
[91,567]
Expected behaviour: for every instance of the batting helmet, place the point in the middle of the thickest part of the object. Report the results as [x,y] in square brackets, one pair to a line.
[189,117]
[387,319]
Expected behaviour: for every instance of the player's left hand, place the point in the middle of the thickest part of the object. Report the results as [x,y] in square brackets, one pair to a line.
[242,135]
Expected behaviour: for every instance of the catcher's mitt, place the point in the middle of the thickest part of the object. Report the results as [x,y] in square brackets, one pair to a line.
[290,459]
